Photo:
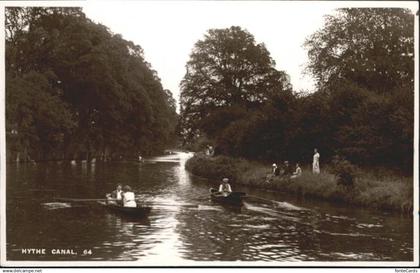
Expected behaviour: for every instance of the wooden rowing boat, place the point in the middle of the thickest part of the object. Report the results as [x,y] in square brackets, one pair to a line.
[135,212]
[234,198]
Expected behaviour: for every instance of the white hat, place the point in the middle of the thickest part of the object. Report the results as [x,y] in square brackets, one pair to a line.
[274,165]
[225,179]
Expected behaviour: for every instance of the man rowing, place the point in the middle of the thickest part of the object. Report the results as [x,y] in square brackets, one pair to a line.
[116,196]
[224,187]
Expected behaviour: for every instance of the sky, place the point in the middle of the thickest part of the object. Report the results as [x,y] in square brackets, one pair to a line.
[167,31]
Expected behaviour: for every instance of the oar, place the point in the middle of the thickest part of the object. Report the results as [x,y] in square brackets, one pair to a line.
[259,198]
[111,199]
[173,205]
[86,199]
[239,193]
[83,200]
[80,199]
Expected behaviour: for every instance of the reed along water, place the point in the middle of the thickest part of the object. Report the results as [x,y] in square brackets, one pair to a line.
[184,224]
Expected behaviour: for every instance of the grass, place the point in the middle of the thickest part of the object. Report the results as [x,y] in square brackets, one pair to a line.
[386,192]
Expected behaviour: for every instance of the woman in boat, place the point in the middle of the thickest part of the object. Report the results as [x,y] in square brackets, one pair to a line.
[128,197]
[115,197]
[225,188]
[297,173]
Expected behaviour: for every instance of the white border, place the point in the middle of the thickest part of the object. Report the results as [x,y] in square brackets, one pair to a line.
[2,140]
[336,4]
[416,141]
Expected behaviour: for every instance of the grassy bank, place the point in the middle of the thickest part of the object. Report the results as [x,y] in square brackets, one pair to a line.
[390,193]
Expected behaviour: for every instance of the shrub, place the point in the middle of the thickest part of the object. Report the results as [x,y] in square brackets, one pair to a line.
[217,167]
[344,171]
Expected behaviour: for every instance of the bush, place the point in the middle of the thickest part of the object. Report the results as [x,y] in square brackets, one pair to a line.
[344,171]
[217,167]
[198,145]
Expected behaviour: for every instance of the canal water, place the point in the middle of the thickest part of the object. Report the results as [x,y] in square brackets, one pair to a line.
[184,224]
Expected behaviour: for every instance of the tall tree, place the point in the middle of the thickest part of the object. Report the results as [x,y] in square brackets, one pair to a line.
[227,69]
[373,47]
[115,102]
[363,60]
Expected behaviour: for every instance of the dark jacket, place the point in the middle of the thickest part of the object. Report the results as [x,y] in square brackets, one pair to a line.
[114,194]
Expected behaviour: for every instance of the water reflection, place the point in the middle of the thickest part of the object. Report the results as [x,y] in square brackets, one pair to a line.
[183,176]
[184,224]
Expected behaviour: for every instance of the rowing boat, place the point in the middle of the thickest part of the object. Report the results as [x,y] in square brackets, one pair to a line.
[137,212]
[234,198]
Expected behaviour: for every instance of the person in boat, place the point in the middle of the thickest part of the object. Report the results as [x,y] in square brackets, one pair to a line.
[128,197]
[115,197]
[297,173]
[224,187]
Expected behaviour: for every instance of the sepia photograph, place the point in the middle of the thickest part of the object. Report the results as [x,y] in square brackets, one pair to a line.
[209,133]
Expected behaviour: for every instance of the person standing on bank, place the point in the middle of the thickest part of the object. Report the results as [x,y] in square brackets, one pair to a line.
[315,162]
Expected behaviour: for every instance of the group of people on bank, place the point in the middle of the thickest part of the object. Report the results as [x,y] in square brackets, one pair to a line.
[123,196]
[287,172]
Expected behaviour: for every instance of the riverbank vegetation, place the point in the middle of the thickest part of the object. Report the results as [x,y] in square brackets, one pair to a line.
[74,90]
[388,193]
[234,98]
[360,117]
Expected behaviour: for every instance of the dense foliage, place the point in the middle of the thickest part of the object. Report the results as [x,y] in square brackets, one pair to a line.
[363,60]
[344,171]
[74,90]
[363,109]
[229,78]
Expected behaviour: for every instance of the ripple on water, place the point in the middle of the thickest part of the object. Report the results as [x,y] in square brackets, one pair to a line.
[369,225]
[345,234]
[355,256]
[340,217]
[269,246]
[207,208]
[279,231]
[287,206]
[256,226]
